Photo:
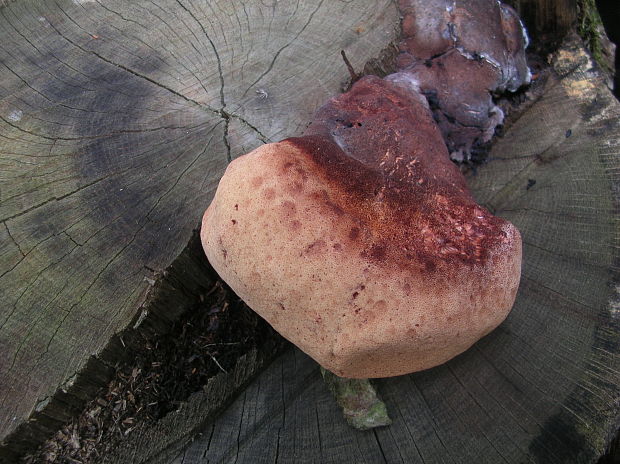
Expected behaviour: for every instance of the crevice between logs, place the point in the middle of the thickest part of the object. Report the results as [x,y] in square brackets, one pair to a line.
[172,292]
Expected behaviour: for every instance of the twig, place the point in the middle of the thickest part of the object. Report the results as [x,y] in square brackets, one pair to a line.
[220,344]
[354,75]
[217,363]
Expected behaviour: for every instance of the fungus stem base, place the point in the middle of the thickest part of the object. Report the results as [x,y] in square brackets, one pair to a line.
[361,407]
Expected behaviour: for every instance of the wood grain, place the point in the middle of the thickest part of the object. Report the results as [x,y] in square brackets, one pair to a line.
[116,121]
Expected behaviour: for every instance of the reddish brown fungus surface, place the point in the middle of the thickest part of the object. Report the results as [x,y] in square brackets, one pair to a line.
[459,53]
[360,241]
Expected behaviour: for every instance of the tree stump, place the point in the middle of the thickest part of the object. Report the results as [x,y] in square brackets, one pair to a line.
[543,387]
[116,121]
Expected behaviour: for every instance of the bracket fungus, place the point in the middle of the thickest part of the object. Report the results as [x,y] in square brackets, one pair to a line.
[461,53]
[359,241]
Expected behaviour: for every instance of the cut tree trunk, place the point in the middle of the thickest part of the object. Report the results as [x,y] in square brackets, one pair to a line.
[545,386]
[117,120]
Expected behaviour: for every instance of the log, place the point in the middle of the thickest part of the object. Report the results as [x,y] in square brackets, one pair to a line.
[116,121]
[545,386]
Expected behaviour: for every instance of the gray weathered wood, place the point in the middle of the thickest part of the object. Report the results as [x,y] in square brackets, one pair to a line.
[545,386]
[116,121]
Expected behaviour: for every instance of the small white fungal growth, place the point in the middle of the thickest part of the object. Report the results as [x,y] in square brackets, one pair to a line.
[15,115]
[409,82]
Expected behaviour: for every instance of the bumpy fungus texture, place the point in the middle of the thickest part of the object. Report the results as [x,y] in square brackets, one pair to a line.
[360,242]
[460,53]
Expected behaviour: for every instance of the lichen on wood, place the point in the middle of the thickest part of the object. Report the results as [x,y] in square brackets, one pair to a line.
[590,29]
[361,407]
